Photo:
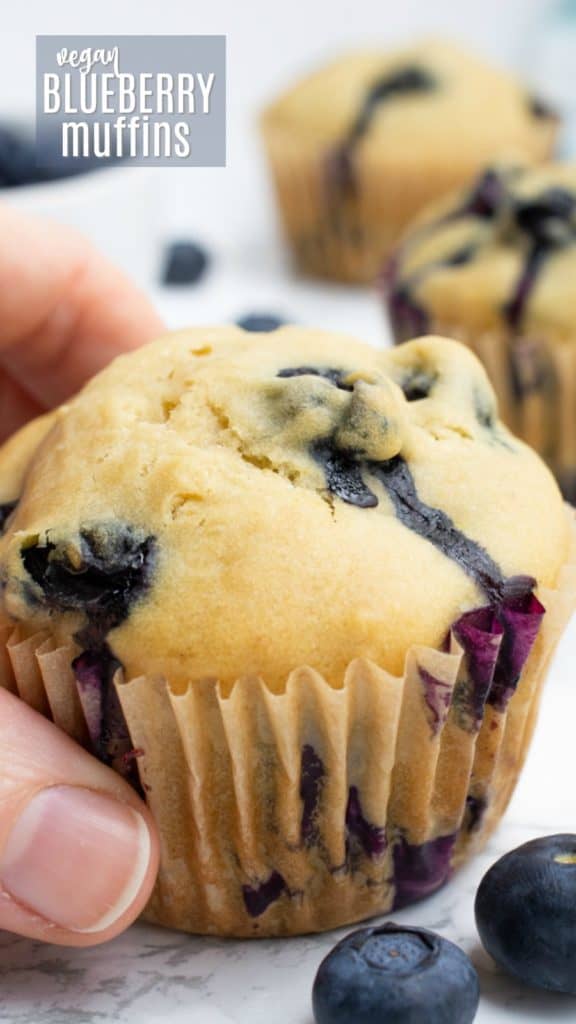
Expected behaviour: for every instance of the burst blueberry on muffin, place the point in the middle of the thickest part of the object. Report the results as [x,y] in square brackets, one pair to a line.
[494,267]
[304,594]
[357,149]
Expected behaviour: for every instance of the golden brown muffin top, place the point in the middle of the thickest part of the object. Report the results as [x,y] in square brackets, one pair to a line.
[432,102]
[222,504]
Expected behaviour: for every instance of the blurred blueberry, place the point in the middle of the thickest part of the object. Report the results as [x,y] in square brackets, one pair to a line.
[23,163]
[260,322]
[186,263]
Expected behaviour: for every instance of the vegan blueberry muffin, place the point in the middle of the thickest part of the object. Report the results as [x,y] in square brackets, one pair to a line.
[302,593]
[357,149]
[495,267]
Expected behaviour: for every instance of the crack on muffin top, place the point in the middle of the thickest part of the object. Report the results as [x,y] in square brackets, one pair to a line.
[351,424]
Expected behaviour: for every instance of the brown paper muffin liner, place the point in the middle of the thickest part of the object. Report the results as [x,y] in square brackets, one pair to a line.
[298,811]
[535,382]
[342,224]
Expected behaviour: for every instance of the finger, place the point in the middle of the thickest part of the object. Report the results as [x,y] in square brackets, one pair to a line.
[17,406]
[78,848]
[65,312]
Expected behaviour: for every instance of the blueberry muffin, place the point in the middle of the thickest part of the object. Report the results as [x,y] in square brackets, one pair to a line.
[494,267]
[357,149]
[278,582]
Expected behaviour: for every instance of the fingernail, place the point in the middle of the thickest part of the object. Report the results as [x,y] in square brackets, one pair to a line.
[76,858]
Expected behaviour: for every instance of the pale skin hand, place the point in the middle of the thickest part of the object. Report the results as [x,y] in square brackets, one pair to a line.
[78,848]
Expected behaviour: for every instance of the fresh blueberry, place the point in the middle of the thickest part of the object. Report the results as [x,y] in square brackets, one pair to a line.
[260,322]
[526,912]
[186,263]
[395,975]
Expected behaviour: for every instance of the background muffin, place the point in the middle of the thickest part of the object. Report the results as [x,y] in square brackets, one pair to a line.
[495,267]
[280,582]
[357,149]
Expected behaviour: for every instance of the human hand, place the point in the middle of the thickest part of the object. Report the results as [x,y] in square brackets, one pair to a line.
[78,848]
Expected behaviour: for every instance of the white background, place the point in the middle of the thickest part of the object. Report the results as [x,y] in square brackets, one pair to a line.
[269,43]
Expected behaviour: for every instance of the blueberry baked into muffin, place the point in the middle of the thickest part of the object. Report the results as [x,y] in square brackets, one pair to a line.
[495,267]
[303,594]
[357,149]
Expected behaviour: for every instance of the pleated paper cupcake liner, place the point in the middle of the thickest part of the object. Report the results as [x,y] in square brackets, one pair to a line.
[298,811]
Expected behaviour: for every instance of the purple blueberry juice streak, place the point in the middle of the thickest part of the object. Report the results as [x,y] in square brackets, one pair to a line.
[257,898]
[497,641]
[433,525]
[339,166]
[479,633]
[486,198]
[420,870]
[94,672]
[343,475]
[515,308]
[521,619]
[496,638]
[530,367]
[312,773]
[547,223]
[370,838]
[476,807]
[438,696]
[407,318]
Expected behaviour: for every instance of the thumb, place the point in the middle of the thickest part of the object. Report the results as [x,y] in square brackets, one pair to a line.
[78,848]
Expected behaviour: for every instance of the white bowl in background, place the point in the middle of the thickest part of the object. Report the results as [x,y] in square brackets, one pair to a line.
[116,207]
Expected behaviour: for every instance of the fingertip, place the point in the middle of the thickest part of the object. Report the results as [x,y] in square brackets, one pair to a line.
[79,850]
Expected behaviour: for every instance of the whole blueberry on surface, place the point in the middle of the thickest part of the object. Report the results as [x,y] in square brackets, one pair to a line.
[260,322]
[186,263]
[395,975]
[526,912]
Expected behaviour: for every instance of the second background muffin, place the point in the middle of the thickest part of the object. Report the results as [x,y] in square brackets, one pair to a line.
[357,149]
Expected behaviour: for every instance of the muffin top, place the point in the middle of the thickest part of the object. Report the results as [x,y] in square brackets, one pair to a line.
[499,256]
[219,504]
[432,102]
